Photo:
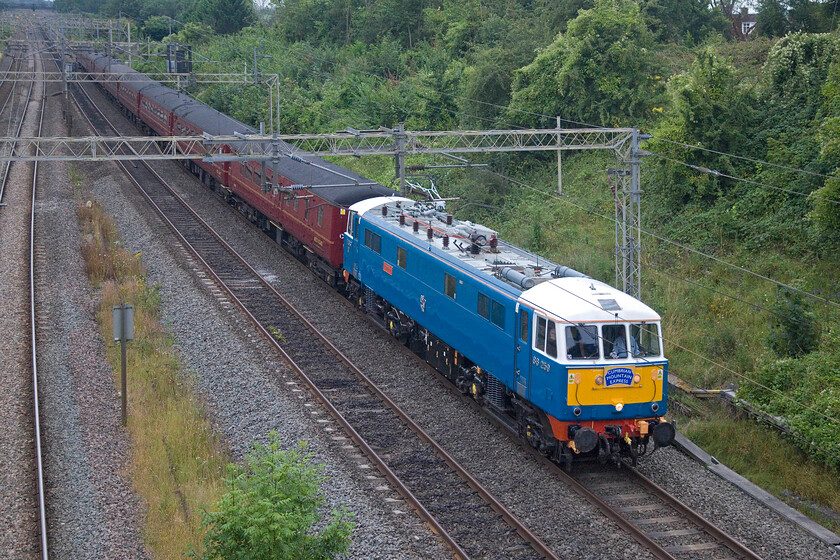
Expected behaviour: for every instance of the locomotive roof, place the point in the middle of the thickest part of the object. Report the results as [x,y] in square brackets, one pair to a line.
[583,298]
[586,300]
[216,123]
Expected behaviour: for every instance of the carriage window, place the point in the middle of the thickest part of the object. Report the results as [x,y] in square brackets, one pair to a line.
[523,326]
[289,199]
[449,285]
[582,342]
[615,342]
[646,336]
[484,306]
[401,257]
[320,216]
[498,316]
[296,203]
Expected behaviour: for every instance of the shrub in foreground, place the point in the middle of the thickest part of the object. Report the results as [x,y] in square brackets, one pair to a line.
[273,510]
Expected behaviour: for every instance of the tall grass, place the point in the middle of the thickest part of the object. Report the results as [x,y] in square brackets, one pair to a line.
[769,460]
[177,462]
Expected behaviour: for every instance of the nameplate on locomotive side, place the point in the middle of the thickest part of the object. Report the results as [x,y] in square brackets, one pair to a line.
[618,376]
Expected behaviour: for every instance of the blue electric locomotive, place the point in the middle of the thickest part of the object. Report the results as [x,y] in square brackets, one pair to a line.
[574,365]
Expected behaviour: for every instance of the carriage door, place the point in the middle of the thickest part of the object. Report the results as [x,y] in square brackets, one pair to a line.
[351,247]
[522,358]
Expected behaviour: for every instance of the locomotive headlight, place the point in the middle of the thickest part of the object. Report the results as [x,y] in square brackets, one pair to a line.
[599,380]
[637,379]
[619,407]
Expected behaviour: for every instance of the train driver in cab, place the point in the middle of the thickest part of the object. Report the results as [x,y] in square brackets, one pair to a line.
[581,342]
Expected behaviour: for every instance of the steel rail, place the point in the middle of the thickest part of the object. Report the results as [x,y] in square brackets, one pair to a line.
[17,132]
[381,465]
[5,177]
[705,525]
[42,509]
[611,513]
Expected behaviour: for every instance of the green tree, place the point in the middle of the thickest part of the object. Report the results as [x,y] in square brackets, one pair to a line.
[600,71]
[793,329]
[272,508]
[771,19]
[226,16]
[315,20]
[157,27]
[683,20]
[827,208]
[710,108]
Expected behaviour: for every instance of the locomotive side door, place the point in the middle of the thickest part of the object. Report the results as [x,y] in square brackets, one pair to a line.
[522,352]
[351,246]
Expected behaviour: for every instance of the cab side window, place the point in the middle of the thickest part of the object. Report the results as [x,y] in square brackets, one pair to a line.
[551,340]
[539,335]
[545,337]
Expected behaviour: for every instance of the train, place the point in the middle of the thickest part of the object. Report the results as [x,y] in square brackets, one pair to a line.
[574,366]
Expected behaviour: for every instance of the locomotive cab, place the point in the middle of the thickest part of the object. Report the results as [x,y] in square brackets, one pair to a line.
[599,351]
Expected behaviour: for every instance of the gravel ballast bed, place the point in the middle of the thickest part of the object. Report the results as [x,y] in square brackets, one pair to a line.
[531,491]
[18,489]
[92,511]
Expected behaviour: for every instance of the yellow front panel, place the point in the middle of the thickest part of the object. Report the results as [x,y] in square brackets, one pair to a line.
[584,391]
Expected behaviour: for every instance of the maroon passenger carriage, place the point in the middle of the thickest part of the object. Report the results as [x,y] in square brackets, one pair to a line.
[308,221]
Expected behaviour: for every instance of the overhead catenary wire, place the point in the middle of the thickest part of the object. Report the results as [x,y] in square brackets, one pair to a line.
[744,158]
[565,197]
[701,169]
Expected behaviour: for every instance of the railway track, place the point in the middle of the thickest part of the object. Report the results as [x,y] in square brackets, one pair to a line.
[32,532]
[13,113]
[42,509]
[667,527]
[470,521]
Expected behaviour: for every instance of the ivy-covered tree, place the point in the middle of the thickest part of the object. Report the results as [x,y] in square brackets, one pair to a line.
[827,207]
[793,327]
[683,21]
[711,108]
[601,71]
[226,16]
[272,509]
